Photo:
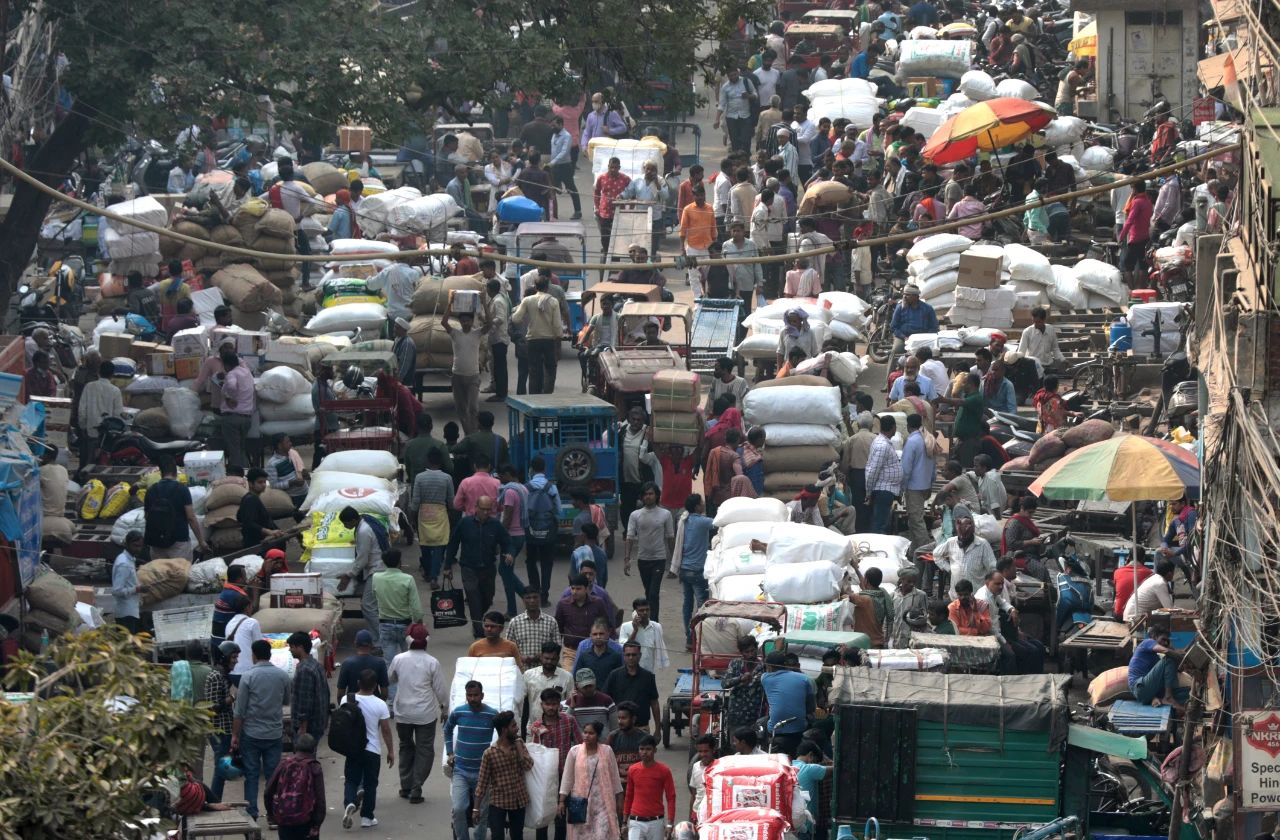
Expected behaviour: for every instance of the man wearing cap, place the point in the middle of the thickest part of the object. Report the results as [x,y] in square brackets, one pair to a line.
[406,352]
[966,556]
[423,693]
[398,606]
[910,316]
[804,507]
[789,153]
[364,660]
[589,704]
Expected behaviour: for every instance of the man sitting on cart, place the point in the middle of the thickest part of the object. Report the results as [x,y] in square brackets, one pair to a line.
[742,681]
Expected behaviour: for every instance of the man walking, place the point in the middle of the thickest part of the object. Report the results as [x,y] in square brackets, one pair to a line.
[257,729]
[236,406]
[648,635]
[532,630]
[548,674]
[422,694]
[689,562]
[482,543]
[607,189]
[124,583]
[465,381]
[360,790]
[734,109]
[467,733]
[398,606]
[884,477]
[649,785]
[558,731]
[539,313]
[651,537]
[919,466]
[635,684]
[501,782]
[310,691]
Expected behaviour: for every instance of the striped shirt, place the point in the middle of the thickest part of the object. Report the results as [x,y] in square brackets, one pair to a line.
[467,734]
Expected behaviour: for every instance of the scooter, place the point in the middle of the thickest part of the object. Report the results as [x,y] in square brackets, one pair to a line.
[120,446]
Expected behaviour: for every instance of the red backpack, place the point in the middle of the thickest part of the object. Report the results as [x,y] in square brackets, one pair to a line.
[295,796]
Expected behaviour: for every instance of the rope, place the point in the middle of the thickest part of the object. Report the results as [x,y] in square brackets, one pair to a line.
[685,262]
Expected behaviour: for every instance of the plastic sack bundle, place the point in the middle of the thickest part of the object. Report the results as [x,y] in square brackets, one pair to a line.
[421,215]
[1017,89]
[779,308]
[375,210]
[845,306]
[130,520]
[800,434]
[281,384]
[1065,293]
[1064,131]
[924,120]
[335,289]
[501,677]
[207,576]
[833,616]
[735,561]
[978,85]
[858,110]
[542,781]
[740,509]
[944,59]
[810,582]
[322,483]
[1100,278]
[738,588]
[780,405]
[1027,264]
[296,408]
[374,462]
[922,270]
[794,543]
[349,316]
[937,245]
[146,210]
[123,246]
[751,781]
[742,533]
[744,824]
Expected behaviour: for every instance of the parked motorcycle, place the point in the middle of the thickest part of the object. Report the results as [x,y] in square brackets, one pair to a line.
[121,446]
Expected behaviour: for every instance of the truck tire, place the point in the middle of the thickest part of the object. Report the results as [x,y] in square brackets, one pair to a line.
[575,465]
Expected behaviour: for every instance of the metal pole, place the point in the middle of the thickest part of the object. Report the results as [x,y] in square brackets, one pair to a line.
[1184,759]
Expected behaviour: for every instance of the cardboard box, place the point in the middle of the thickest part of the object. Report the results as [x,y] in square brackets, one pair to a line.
[204,467]
[187,367]
[1022,316]
[141,350]
[675,391]
[115,346]
[161,364]
[355,138]
[980,267]
[297,590]
[247,343]
[680,427]
[85,595]
[190,342]
[922,87]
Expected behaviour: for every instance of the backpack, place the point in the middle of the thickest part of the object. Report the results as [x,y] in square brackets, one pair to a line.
[347,733]
[160,516]
[295,796]
[544,518]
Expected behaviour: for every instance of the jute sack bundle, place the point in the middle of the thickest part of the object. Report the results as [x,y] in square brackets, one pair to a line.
[429,336]
[162,579]
[226,235]
[432,295]
[274,245]
[326,178]
[807,459]
[784,481]
[246,289]
[277,223]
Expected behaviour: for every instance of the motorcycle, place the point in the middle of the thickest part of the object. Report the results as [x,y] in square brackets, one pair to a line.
[120,446]
[1171,267]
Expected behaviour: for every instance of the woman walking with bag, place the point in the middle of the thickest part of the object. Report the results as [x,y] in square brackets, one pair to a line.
[590,790]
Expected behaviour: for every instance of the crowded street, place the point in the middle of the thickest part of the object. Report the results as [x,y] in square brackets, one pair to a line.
[862,427]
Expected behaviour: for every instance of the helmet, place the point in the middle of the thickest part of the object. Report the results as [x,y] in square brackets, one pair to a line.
[191,798]
[353,378]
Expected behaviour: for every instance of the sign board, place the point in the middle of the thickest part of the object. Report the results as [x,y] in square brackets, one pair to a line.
[1258,746]
[1203,109]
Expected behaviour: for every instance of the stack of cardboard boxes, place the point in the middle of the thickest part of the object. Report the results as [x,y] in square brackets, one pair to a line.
[979,299]
[674,402]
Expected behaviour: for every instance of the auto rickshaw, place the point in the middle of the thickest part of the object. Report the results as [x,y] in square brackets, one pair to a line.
[846,19]
[809,41]
[624,371]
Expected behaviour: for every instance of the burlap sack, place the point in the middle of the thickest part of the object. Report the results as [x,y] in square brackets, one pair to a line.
[222,496]
[189,228]
[246,289]
[52,593]
[225,515]
[57,529]
[56,625]
[226,539]
[281,279]
[278,503]
[432,295]
[227,235]
[53,489]
[429,336]
[277,223]
[154,422]
[780,483]
[272,245]
[799,459]
[162,579]
[326,178]
[297,620]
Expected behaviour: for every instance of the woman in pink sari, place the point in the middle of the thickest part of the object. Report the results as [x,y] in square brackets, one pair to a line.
[591,772]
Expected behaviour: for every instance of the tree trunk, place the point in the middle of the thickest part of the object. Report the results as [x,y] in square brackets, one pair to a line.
[51,163]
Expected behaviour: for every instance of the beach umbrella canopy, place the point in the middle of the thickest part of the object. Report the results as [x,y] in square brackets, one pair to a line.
[986,126]
[1085,44]
[1126,468]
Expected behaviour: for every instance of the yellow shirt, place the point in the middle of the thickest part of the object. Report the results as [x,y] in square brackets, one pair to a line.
[540,312]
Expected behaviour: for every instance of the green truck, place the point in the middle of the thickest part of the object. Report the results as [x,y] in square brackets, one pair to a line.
[972,757]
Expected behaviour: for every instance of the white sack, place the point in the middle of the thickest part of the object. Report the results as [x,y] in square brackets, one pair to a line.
[375,209]
[803,583]
[742,533]
[937,245]
[944,59]
[738,588]
[736,561]
[420,215]
[207,576]
[800,434]
[845,306]
[130,520]
[978,85]
[364,500]
[297,408]
[988,527]
[542,781]
[182,407]
[795,542]
[501,677]
[788,402]
[1017,89]
[349,316]
[280,384]
[145,210]
[374,462]
[322,483]
[739,509]
[123,246]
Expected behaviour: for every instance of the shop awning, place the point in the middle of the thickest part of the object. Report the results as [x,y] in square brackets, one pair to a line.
[1211,69]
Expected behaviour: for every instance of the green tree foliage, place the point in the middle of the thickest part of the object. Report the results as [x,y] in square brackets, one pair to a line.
[75,761]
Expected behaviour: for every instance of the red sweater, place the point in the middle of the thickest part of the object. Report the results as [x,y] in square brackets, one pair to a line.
[646,787]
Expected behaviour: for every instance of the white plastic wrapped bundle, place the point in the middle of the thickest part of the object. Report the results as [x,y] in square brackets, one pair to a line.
[182,407]
[1027,264]
[1017,89]
[322,483]
[738,560]
[281,384]
[978,86]
[633,154]
[1142,317]
[738,509]
[939,244]
[738,588]
[779,308]
[921,270]
[742,533]
[787,402]
[421,215]
[364,461]
[939,284]
[792,543]
[839,87]
[1101,279]
[800,434]
[364,500]
[845,332]
[501,677]
[944,59]
[923,33]
[811,582]
[857,109]
[297,407]
[845,306]
[348,317]
[123,246]
[145,209]
[375,210]
[542,781]
[976,336]
[1065,293]
[924,120]
[1064,131]
[361,246]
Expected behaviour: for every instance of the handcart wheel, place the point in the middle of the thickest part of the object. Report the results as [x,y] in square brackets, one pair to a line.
[666,726]
[575,465]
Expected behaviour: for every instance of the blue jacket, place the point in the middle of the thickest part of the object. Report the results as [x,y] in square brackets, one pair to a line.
[909,320]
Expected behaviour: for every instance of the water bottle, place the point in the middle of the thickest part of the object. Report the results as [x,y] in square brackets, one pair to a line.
[44,642]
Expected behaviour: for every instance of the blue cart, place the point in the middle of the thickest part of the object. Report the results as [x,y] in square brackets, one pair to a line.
[574,434]
[564,242]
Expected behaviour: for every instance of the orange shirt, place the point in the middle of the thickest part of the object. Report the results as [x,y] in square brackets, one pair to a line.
[698,226]
[502,647]
[970,622]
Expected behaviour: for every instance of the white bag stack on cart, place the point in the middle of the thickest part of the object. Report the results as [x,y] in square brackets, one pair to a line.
[425,215]
[813,582]
[943,59]
[1101,280]
[375,210]
[736,510]
[792,543]
[131,248]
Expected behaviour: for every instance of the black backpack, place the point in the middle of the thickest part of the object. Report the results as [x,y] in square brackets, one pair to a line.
[159,518]
[347,733]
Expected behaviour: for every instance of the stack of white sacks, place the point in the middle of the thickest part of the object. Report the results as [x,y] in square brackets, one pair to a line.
[1027,280]
[284,403]
[797,451]
[851,99]
[839,315]
[131,248]
[809,569]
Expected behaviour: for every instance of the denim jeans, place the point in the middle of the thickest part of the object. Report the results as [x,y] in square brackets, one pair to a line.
[506,823]
[391,638]
[261,756]
[220,745]
[881,511]
[538,561]
[461,790]
[1159,682]
[695,592]
[512,584]
[361,772]
[432,561]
